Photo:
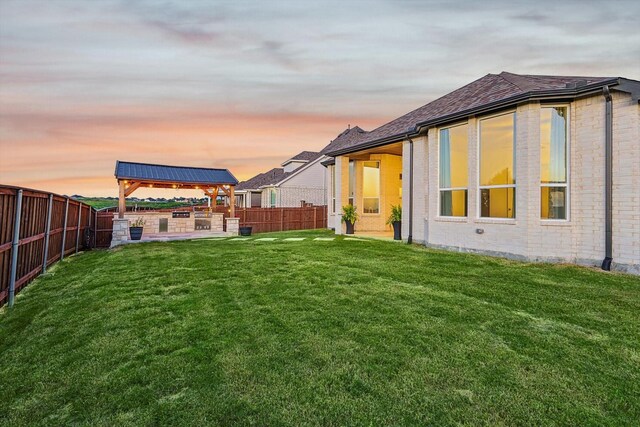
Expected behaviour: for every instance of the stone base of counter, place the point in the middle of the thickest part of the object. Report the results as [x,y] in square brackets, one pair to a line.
[120,232]
[233,226]
[174,225]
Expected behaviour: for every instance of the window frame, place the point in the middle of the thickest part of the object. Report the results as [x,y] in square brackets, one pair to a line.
[566,185]
[481,187]
[272,198]
[379,188]
[332,188]
[351,198]
[441,189]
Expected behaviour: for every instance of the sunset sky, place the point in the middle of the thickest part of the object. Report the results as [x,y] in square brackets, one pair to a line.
[245,85]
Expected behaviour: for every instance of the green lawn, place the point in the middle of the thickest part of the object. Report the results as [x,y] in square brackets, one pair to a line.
[319,333]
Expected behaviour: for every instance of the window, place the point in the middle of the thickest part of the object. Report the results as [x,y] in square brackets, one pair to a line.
[453,171]
[352,181]
[371,187]
[332,188]
[553,163]
[497,173]
[272,195]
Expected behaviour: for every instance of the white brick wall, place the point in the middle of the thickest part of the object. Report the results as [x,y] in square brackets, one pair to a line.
[581,238]
[420,185]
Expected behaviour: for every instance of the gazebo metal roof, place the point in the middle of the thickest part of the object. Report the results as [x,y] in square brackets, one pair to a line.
[173,174]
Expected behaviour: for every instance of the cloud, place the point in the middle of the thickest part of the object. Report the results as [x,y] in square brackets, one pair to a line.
[246,84]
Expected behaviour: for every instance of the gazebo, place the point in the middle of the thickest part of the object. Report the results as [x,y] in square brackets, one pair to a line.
[132,176]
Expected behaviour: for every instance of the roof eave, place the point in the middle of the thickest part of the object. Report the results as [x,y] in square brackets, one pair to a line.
[137,178]
[330,161]
[293,160]
[505,103]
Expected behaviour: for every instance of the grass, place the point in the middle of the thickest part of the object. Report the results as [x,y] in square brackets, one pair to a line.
[319,333]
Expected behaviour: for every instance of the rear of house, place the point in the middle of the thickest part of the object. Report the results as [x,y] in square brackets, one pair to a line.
[300,181]
[529,167]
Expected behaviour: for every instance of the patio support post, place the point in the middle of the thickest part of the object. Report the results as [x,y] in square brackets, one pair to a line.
[15,244]
[64,228]
[46,235]
[341,164]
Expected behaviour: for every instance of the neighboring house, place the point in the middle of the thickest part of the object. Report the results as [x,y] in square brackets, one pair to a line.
[530,167]
[301,180]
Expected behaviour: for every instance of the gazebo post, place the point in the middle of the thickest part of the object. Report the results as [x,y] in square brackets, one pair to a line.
[122,207]
[232,202]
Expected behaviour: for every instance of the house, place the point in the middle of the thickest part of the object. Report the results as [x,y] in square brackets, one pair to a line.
[543,168]
[300,180]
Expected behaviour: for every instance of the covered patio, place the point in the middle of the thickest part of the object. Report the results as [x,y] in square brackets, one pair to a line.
[180,224]
[371,180]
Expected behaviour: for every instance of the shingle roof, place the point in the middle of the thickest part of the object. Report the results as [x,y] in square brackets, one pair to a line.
[182,174]
[488,90]
[305,156]
[271,177]
[346,138]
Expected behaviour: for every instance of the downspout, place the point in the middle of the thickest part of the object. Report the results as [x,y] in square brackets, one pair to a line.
[410,236]
[608,183]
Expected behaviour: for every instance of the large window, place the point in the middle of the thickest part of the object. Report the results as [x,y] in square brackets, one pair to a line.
[454,175]
[352,181]
[371,187]
[497,167]
[272,197]
[553,163]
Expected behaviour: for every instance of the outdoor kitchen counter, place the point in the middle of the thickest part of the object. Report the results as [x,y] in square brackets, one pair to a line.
[177,221]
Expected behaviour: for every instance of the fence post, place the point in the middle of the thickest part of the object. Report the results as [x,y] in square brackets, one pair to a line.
[281,219]
[46,236]
[95,231]
[15,243]
[64,229]
[79,223]
[315,218]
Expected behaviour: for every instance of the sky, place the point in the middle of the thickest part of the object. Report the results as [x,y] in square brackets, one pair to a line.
[246,85]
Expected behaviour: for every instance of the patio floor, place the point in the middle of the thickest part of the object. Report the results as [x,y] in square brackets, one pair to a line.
[168,237]
[380,235]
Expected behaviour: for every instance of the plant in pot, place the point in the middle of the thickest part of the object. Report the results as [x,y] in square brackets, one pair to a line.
[349,217]
[135,229]
[395,219]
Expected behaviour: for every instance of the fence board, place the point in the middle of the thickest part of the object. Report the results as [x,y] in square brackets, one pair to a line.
[32,233]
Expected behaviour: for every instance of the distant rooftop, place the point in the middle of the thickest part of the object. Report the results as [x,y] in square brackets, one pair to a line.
[305,156]
[271,177]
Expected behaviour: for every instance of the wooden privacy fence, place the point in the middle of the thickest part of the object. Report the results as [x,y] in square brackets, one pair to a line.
[282,219]
[260,219]
[36,230]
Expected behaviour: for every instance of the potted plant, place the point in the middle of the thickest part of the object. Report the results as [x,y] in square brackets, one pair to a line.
[395,219]
[135,229]
[349,217]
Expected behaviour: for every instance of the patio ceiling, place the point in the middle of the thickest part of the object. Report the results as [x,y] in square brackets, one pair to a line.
[394,149]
